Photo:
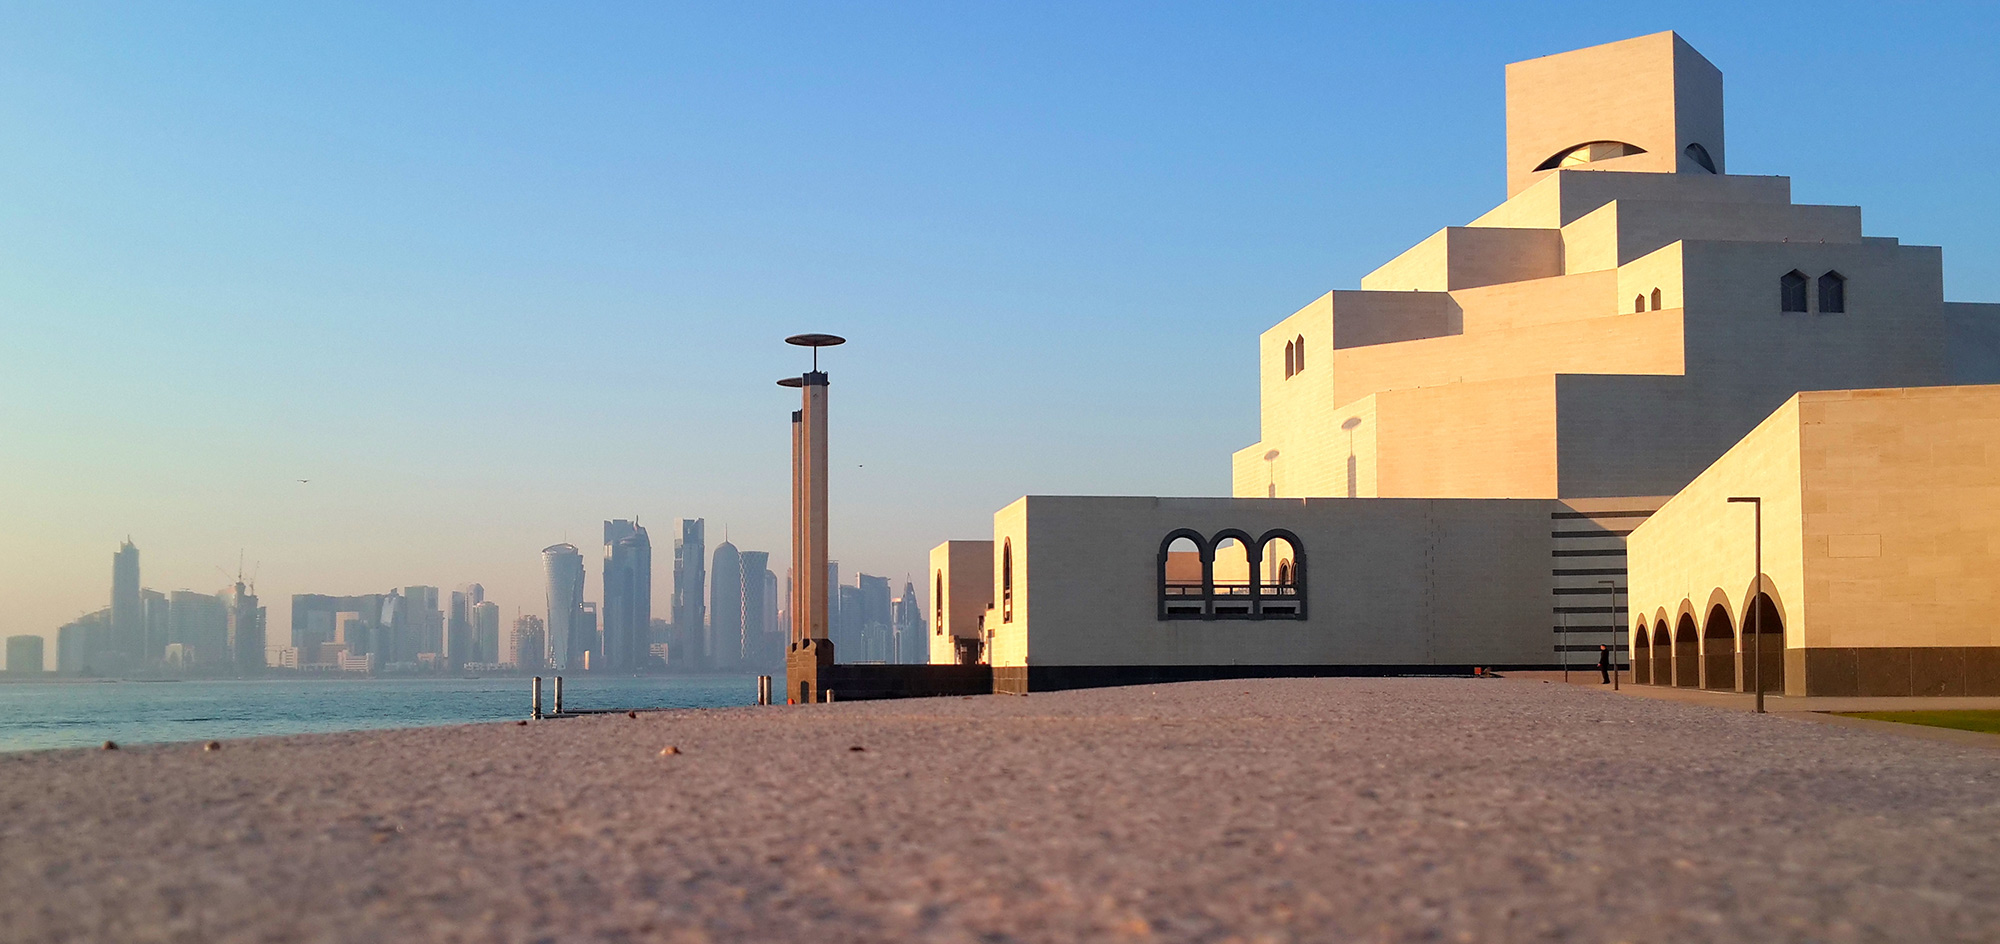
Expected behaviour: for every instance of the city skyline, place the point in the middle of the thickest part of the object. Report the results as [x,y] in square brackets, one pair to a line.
[369,349]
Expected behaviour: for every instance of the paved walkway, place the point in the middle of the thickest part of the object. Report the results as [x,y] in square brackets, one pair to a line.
[1277,810]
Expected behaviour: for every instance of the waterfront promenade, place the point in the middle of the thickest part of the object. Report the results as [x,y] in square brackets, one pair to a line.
[1271,810]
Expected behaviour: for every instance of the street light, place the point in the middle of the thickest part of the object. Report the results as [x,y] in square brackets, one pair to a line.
[1756,604]
[1615,623]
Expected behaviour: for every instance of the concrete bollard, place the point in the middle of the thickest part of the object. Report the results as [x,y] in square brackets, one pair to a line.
[829,696]
[763,689]
[558,694]
[538,698]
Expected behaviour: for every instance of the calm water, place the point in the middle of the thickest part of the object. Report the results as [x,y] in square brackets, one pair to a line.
[86,714]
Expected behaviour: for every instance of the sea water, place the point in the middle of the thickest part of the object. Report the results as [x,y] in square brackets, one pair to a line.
[41,715]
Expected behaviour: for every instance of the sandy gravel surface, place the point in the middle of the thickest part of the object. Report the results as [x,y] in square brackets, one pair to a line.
[1289,810]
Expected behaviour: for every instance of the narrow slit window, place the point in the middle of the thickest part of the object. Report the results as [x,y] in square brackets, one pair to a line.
[1290,360]
[1638,303]
[1656,299]
[1299,359]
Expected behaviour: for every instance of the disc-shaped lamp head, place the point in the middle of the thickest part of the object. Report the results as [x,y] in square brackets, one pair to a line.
[815,341]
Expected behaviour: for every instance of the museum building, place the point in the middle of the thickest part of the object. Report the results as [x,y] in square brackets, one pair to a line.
[1462,462]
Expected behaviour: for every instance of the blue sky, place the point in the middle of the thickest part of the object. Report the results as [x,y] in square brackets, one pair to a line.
[488,274]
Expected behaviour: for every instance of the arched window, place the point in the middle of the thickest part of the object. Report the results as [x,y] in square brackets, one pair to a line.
[1656,299]
[1792,291]
[1007,581]
[1589,152]
[1299,360]
[1231,576]
[1638,303]
[1290,361]
[1832,293]
[1183,576]
[1699,155]
[1279,568]
[937,603]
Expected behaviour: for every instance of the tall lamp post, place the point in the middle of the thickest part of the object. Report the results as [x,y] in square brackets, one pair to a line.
[1615,623]
[1756,605]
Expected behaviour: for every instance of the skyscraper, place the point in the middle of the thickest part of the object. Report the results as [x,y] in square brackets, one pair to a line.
[690,580]
[758,603]
[243,621]
[564,566]
[875,620]
[529,643]
[725,609]
[422,625]
[73,642]
[628,595]
[586,640]
[128,622]
[912,643]
[25,655]
[485,632]
[196,622]
[153,613]
[458,630]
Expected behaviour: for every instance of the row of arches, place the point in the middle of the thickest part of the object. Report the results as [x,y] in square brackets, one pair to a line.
[1232,575]
[1792,293]
[1717,653]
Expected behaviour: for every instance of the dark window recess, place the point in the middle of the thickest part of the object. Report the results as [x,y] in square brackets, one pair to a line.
[1699,155]
[1656,299]
[1832,293]
[1299,358]
[1792,291]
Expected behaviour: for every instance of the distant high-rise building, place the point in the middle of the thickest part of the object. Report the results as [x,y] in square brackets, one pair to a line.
[628,595]
[758,606]
[725,609]
[80,641]
[485,632]
[529,644]
[458,631]
[563,564]
[243,622]
[128,621]
[24,655]
[376,620]
[153,612]
[73,646]
[423,629]
[688,647]
[198,624]
[586,642]
[844,624]
[876,620]
[913,645]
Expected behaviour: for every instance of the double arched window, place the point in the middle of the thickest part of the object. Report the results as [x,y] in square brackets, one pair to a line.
[1639,301]
[1232,576]
[1295,356]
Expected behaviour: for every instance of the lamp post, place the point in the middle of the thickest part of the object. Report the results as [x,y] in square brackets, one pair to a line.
[1757,604]
[1615,623]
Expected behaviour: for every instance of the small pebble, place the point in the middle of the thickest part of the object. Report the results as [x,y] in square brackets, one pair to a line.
[111,745]
[212,746]
[669,749]
[522,723]
[857,747]
[631,714]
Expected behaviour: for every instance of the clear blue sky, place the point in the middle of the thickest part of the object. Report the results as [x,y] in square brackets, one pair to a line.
[488,274]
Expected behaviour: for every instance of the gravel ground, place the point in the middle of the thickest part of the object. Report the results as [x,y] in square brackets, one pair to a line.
[1271,810]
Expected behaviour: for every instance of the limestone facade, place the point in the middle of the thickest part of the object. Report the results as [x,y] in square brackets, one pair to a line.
[1463,444]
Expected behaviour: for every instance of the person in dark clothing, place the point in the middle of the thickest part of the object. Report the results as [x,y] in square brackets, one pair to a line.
[1604,664]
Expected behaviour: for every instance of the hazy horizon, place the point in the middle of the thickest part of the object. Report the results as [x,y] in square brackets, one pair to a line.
[489,276]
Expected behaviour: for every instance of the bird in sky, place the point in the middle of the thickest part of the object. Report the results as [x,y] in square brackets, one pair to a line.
[304,481]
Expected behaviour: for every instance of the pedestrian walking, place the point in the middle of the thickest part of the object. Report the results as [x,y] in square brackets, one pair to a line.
[1604,664]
